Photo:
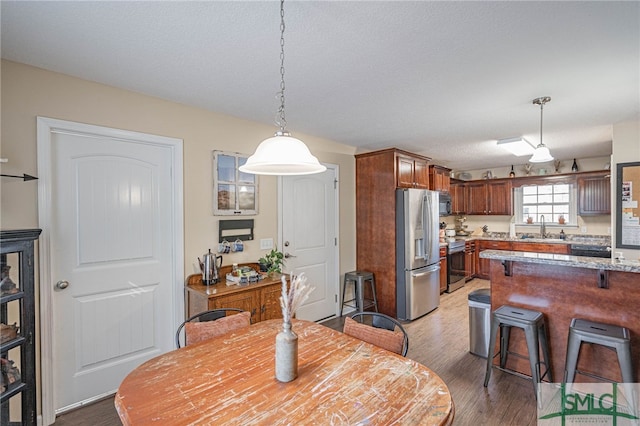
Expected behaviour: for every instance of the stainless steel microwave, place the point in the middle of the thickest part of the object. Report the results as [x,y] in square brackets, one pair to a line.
[445,204]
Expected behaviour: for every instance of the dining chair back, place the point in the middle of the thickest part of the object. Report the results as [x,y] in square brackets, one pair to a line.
[378,329]
[212,323]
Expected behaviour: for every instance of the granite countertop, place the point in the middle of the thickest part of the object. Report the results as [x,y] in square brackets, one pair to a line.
[564,260]
[595,240]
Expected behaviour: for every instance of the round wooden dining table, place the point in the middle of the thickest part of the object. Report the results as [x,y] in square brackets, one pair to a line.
[230,380]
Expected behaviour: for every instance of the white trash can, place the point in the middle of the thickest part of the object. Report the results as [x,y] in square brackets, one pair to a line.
[479,321]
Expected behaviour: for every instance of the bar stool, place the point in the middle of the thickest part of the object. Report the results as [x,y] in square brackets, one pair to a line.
[533,324]
[359,278]
[612,336]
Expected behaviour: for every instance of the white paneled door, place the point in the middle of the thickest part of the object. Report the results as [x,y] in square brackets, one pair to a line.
[112,263]
[309,206]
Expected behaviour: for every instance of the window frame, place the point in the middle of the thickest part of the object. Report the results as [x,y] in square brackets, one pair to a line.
[239,179]
[570,221]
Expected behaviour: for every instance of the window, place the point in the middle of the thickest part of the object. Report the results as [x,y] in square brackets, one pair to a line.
[556,202]
[235,193]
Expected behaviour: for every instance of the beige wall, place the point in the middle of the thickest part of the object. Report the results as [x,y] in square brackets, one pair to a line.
[29,92]
[626,149]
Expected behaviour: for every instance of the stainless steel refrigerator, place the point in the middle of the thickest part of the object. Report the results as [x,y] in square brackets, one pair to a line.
[417,252]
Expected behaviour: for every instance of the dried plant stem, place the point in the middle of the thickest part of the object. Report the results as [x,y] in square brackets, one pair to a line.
[295,296]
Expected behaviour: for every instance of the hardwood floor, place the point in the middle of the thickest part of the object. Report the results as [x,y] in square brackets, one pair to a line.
[439,340]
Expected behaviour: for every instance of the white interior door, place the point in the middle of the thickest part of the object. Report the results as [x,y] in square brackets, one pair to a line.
[309,239]
[112,263]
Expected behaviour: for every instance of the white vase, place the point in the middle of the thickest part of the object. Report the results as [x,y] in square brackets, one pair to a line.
[286,354]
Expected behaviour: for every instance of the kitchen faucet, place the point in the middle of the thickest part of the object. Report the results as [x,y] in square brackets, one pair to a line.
[543,228]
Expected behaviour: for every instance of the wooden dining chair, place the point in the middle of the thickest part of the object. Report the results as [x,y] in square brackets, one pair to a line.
[213,323]
[378,329]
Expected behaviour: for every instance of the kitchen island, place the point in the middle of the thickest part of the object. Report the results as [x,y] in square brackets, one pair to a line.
[563,287]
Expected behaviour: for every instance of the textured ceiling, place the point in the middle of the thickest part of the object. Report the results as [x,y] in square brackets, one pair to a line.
[444,79]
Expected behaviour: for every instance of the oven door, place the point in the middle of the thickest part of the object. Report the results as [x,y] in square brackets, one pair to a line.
[455,270]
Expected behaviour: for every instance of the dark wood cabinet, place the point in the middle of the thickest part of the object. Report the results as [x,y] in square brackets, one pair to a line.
[489,198]
[469,260]
[594,194]
[412,171]
[541,247]
[443,269]
[458,193]
[537,247]
[377,177]
[439,178]
[484,264]
[262,299]
[17,305]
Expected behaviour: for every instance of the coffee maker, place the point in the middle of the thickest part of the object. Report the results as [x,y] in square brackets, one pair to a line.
[210,268]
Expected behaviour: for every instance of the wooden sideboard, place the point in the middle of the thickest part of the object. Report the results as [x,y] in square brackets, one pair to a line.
[262,299]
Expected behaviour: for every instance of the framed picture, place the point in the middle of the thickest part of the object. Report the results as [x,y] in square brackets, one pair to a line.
[627,209]
[234,193]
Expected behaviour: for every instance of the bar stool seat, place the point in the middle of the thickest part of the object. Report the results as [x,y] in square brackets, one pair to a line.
[608,335]
[533,324]
[359,278]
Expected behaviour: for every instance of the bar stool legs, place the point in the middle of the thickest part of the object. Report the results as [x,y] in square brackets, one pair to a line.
[612,336]
[359,278]
[532,322]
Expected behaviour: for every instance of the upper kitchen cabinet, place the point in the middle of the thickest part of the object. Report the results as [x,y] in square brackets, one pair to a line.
[439,178]
[412,171]
[594,194]
[458,198]
[489,198]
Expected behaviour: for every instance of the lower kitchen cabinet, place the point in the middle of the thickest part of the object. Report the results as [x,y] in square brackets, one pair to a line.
[469,260]
[262,299]
[484,264]
[443,269]
[541,247]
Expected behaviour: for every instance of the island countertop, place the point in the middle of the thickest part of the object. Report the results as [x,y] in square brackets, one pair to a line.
[563,260]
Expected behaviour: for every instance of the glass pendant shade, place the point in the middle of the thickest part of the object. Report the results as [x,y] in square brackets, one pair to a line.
[541,155]
[282,154]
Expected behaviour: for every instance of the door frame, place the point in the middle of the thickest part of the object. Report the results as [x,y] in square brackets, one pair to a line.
[335,168]
[45,127]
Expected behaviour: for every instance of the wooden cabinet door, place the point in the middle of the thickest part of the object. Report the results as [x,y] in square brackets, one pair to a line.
[246,300]
[476,198]
[439,178]
[443,269]
[594,195]
[458,198]
[499,198]
[404,171]
[469,260]
[541,247]
[420,174]
[270,302]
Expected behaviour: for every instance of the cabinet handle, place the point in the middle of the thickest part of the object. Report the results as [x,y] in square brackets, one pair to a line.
[263,308]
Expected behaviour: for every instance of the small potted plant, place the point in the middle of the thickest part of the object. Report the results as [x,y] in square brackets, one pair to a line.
[272,261]
[529,219]
[561,220]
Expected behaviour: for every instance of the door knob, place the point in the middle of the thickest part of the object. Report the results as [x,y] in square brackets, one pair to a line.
[61,285]
[287,255]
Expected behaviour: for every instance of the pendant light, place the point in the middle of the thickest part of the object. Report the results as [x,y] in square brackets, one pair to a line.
[541,154]
[282,154]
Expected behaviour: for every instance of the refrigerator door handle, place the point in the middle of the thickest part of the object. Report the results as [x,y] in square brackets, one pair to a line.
[427,271]
[426,226]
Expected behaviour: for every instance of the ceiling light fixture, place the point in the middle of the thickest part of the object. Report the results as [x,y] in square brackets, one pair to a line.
[282,154]
[541,154]
[517,146]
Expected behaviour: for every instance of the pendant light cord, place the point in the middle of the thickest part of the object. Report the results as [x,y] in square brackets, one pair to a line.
[281,121]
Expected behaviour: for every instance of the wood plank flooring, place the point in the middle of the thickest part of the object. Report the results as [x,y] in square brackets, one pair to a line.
[439,340]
